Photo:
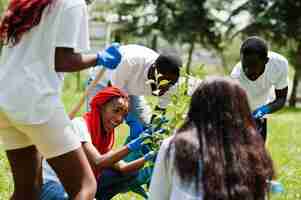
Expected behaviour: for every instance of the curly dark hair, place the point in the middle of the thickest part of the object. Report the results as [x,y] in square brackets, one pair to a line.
[20,17]
[219,133]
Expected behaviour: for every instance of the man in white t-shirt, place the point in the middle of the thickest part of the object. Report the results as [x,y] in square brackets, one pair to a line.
[259,72]
[138,66]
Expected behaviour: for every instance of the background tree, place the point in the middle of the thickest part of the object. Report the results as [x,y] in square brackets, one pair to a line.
[280,22]
[177,21]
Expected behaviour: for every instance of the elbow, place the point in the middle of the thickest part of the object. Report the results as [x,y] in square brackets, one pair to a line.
[65,58]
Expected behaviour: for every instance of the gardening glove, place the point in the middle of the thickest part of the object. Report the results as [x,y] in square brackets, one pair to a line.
[110,57]
[260,112]
[136,144]
[150,156]
[136,127]
[275,187]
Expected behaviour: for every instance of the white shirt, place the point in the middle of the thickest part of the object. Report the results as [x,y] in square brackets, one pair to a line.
[29,84]
[275,76]
[166,183]
[131,74]
[81,130]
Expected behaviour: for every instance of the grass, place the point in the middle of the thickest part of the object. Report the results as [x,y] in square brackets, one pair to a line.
[284,143]
[285,146]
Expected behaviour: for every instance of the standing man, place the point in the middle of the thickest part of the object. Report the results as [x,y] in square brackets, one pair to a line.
[259,72]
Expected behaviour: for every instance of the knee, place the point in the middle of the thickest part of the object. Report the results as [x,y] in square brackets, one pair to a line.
[89,188]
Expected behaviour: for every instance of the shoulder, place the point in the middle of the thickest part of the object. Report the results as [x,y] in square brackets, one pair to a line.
[71,4]
[236,71]
[277,60]
[81,129]
[135,50]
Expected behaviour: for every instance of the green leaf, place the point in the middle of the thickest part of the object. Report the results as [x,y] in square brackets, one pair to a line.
[164,82]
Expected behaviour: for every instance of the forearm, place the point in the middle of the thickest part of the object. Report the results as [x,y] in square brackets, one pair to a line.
[66,60]
[110,158]
[277,104]
[131,166]
[76,62]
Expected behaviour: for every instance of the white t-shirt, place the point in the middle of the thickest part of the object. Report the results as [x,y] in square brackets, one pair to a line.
[131,73]
[166,183]
[275,76]
[81,131]
[29,84]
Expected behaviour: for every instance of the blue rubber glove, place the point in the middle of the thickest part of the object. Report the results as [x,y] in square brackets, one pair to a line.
[261,111]
[136,127]
[136,144]
[110,57]
[150,156]
[276,187]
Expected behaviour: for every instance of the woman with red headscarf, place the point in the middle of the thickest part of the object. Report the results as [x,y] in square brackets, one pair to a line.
[41,39]
[96,132]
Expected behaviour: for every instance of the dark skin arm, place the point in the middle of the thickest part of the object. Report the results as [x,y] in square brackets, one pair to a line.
[66,60]
[111,159]
[126,168]
[280,100]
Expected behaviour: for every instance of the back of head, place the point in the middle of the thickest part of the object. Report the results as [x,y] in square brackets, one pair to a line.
[168,64]
[20,17]
[254,45]
[235,162]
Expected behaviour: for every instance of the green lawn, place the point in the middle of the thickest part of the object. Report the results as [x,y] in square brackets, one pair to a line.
[284,143]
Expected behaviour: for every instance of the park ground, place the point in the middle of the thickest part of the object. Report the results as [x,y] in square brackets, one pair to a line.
[284,144]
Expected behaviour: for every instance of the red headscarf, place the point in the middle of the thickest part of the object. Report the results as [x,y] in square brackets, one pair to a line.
[103,142]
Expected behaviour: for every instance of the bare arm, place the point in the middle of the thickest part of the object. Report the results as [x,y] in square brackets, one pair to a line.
[66,60]
[280,100]
[98,161]
[133,166]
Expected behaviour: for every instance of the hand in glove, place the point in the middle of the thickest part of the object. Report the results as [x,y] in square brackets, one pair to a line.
[110,57]
[136,127]
[136,144]
[261,111]
[150,156]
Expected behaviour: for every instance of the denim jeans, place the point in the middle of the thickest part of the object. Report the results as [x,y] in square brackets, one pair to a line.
[52,190]
[109,184]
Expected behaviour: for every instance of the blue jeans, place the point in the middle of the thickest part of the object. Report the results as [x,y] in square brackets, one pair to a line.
[112,182]
[52,190]
[138,105]
[109,184]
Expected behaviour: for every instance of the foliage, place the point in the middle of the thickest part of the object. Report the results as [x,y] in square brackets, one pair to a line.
[177,21]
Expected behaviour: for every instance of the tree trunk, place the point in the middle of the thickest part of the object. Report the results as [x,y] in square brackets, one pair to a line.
[78,84]
[293,97]
[190,52]
[222,56]
[155,42]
